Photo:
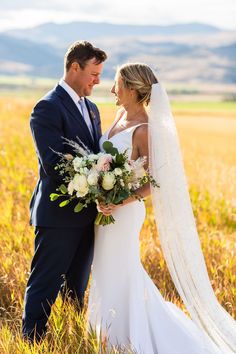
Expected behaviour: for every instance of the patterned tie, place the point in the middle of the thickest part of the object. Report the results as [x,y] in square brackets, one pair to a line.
[86,116]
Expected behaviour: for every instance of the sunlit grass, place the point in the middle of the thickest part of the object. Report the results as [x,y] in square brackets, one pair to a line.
[207,134]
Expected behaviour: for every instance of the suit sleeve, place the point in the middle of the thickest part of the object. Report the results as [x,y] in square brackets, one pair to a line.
[47,130]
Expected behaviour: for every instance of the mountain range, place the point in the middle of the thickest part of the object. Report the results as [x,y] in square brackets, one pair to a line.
[191,53]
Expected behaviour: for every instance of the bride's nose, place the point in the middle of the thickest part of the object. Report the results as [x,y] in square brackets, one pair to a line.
[113,89]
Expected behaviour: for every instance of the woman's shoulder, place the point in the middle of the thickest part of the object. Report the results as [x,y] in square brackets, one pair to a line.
[140,134]
[140,140]
[141,129]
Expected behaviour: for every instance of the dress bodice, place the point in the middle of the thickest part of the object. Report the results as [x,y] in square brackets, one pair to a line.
[122,140]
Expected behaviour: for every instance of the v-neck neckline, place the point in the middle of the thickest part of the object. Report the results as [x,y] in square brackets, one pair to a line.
[132,126]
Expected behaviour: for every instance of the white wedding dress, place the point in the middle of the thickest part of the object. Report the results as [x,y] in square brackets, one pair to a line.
[124,304]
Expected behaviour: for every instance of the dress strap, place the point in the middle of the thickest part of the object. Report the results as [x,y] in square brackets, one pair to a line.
[132,129]
[136,126]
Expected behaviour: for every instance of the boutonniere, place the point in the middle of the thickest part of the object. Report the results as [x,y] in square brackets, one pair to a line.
[92,114]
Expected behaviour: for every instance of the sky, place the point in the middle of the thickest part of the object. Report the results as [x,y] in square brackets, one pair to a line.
[28,13]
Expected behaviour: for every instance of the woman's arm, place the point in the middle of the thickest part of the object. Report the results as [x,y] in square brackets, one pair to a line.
[140,149]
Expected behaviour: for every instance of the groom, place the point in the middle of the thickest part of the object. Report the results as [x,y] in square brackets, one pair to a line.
[63,239]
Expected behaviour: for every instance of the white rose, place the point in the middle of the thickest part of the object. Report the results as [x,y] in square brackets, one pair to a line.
[83,170]
[108,181]
[82,193]
[92,157]
[71,187]
[80,185]
[93,179]
[77,163]
[118,171]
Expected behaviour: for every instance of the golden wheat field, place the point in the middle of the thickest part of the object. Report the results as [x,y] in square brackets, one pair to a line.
[208,139]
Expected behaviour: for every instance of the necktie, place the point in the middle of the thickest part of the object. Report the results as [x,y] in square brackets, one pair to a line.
[86,117]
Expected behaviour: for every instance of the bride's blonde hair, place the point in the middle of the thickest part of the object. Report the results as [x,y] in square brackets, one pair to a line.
[139,77]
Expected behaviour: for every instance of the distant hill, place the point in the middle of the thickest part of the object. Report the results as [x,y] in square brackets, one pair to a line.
[63,34]
[179,53]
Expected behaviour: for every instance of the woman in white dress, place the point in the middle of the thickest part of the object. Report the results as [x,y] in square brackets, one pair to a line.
[125,307]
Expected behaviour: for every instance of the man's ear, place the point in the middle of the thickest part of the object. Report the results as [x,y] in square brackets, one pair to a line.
[75,66]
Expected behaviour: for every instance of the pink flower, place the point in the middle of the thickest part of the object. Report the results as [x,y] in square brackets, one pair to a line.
[103,163]
[68,157]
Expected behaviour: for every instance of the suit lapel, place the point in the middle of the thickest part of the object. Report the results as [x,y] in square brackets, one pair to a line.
[92,116]
[73,109]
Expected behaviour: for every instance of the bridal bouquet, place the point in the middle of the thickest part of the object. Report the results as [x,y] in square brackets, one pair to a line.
[107,177]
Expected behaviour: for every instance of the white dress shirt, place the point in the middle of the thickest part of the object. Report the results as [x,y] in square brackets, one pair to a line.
[80,103]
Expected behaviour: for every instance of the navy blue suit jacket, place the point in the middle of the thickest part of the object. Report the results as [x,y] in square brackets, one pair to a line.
[56,116]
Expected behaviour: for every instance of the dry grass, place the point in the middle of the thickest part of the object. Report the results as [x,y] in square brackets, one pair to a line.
[208,138]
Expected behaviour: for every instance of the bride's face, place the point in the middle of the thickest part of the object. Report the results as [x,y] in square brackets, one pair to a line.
[122,94]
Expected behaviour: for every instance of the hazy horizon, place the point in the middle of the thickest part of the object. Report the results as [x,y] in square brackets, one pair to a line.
[113,23]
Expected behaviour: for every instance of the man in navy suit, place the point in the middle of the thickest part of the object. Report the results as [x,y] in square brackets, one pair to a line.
[63,239]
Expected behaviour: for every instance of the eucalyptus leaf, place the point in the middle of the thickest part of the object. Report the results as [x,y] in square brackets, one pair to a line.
[107,145]
[64,203]
[120,160]
[109,197]
[114,151]
[120,197]
[54,196]
[63,189]
[109,148]
[78,207]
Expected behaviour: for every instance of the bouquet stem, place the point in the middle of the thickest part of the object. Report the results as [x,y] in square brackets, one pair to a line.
[102,219]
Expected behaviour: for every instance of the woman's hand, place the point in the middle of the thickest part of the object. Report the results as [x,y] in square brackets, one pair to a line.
[106,209]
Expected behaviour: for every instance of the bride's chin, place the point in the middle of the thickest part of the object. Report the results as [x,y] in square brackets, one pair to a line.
[117,102]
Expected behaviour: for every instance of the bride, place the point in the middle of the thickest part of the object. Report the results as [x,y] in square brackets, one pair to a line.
[125,307]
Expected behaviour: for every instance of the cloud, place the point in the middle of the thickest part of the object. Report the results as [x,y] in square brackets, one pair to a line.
[26,13]
[56,5]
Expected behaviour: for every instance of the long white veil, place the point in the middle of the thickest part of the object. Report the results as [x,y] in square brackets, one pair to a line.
[177,230]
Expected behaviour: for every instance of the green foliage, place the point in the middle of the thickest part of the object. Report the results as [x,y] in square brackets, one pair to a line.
[64,203]
[109,149]
[120,197]
[54,196]
[78,207]
[120,159]
[63,189]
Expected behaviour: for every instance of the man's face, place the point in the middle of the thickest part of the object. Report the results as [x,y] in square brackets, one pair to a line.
[85,79]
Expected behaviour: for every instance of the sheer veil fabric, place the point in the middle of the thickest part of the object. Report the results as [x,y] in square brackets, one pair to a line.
[177,229]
